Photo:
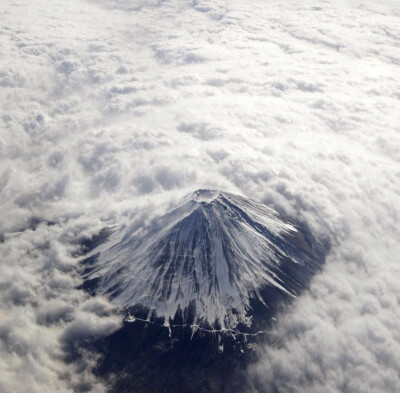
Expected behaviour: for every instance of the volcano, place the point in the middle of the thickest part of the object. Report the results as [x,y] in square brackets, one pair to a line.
[198,287]
[209,260]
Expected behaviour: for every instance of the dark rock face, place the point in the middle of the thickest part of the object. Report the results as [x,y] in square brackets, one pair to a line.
[199,286]
[145,358]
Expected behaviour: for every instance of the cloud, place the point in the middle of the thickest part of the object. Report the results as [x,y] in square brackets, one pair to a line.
[112,110]
[344,326]
[201,130]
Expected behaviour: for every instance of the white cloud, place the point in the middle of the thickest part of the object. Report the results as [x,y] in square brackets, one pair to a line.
[111,107]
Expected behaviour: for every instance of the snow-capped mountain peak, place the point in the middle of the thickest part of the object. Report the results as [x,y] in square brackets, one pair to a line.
[212,256]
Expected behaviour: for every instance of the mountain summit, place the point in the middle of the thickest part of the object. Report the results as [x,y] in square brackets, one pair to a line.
[214,259]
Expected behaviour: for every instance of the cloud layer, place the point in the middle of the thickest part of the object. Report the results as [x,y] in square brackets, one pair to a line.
[112,109]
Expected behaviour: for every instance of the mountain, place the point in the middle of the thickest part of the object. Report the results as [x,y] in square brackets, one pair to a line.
[198,288]
[211,260]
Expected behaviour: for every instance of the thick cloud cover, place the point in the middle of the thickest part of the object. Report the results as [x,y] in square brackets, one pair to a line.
[111,109]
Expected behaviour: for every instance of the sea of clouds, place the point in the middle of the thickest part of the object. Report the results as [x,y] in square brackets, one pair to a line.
[113,109]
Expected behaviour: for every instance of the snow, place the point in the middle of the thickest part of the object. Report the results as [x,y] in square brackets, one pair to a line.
[216,250]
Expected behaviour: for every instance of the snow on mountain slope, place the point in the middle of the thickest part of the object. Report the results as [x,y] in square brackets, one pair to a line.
[212,254]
